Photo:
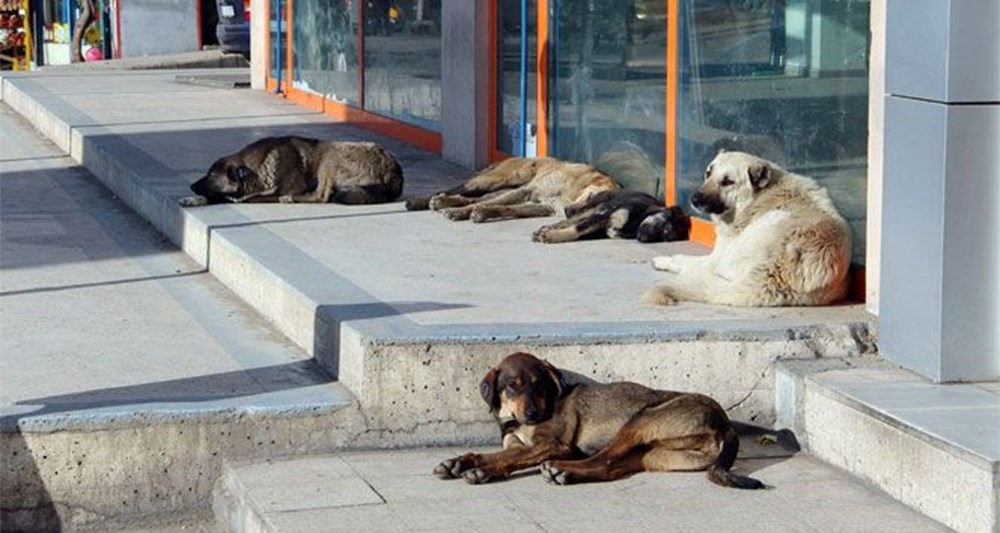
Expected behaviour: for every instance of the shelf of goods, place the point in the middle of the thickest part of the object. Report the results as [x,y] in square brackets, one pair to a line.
[15,35]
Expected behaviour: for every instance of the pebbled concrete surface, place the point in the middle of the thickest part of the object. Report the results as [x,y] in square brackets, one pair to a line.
[127,371]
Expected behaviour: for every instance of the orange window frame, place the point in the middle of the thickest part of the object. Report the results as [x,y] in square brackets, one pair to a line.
[357,115]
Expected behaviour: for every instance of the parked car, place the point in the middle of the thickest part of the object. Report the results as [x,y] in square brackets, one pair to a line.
[233,29]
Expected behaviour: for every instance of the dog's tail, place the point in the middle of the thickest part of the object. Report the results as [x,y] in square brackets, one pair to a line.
[367,194]
[719,472]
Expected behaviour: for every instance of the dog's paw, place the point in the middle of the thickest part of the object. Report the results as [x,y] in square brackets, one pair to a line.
[479,215]
[541,234]
[555,475]
[286,199]
[666,263]
[455,213]
[448,469]
[437,203]
[193,201]
[476,476]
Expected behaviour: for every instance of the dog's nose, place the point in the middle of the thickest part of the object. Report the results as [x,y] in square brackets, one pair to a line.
[697,200]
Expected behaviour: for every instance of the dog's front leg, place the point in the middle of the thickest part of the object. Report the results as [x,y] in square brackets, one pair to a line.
[682,263]
[481,468]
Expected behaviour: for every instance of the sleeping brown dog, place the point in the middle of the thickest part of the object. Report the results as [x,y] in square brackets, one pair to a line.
[596,432]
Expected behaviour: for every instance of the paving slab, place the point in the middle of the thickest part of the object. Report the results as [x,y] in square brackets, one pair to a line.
[127,371]
[400,494]
[934,447]
[408,310]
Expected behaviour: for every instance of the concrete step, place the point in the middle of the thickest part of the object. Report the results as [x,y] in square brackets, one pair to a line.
[409,310]
[395,491]
[128,373]
[935,448]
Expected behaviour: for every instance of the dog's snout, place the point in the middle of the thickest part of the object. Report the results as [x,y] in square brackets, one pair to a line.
[707,203]
[200,187]
[530,413]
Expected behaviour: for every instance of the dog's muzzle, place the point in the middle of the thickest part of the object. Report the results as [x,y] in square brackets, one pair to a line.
[705,203]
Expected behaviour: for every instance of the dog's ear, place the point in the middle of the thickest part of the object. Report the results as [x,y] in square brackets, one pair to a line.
[488,389]
[760,175]
[557,379]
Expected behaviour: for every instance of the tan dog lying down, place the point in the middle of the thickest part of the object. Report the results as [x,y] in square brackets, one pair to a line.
[518,188]
[779,240]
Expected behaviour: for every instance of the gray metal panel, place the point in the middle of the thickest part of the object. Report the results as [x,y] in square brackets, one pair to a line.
[461,72]
[970,339]
[974,52]
[942,50]
[916,48]
[912,234]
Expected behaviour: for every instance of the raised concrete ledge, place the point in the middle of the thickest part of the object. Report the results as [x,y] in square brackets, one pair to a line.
[933,447]
[370,290]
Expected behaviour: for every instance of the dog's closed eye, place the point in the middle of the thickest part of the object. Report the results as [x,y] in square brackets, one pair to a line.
[725,181]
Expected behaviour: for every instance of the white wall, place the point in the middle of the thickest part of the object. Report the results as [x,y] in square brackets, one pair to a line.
[876,142]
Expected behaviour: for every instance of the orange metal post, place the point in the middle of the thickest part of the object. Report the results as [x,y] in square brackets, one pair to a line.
[542,79]
[673,43]
[289,34]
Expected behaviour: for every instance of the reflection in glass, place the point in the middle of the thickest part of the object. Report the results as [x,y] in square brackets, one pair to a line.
[784,79]
[403,60]
[325,48]
[278,29]
[509,77]
[607,80]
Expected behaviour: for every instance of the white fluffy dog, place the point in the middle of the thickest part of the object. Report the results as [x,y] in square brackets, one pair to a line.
[779,240]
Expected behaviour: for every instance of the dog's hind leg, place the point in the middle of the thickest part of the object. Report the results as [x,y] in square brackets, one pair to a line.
[594,469]
[570,229]
[444,201]
[505,198]
[483,213]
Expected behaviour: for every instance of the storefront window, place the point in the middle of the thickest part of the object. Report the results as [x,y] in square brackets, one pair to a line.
[512,125]
[325,48]
[402,60]
[278,29]
[783,79]
[607,87]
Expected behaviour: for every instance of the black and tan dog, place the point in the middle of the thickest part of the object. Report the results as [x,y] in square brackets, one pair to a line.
[619,215]
[518,187]
[597,432]
[301,170]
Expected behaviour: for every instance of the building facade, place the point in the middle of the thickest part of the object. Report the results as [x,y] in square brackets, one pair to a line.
[846,91]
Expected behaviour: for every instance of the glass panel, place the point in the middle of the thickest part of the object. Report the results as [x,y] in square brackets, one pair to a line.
[325,57]
[279,30]
[607,87]
[783,79]
[509,77]
[403,60]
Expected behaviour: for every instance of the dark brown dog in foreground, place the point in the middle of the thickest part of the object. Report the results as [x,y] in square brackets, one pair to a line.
[519,187]
[599,432]
[301,170]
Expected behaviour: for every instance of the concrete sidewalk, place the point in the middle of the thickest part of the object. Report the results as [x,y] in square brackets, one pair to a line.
[393,491]
[128,373]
